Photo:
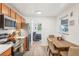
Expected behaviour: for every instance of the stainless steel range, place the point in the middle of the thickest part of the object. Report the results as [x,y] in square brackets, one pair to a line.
[17,47]
[3,38]
[16,44]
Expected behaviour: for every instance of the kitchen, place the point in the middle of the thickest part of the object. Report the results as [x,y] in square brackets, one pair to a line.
[13,34]
[39,29]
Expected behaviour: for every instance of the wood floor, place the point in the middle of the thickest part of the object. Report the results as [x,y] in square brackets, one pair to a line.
[37,50]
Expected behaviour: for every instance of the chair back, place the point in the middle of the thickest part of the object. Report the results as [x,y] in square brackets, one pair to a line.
[51,36]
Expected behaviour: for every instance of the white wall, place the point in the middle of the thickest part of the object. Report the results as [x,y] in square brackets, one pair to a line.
[74,29]
[48,27]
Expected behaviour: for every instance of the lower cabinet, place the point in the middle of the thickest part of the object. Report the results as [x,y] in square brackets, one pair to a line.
[26,46]
[7,52]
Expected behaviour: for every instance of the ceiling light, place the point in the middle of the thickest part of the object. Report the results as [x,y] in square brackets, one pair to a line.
[39,12]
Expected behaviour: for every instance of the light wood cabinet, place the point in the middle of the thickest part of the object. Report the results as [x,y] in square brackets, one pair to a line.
[23,23]
[12,14]
[18,18]
[5,10]
[26,47]
[0,7]
[7,53]
[18,25]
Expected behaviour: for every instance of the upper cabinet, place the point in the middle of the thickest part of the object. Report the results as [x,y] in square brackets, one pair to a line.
[5,9]
[18,19]
[22,23]
[12,14]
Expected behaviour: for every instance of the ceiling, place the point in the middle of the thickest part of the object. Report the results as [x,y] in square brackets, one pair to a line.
[47,9]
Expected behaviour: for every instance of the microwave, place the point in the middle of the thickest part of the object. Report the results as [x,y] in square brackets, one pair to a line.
[7,22]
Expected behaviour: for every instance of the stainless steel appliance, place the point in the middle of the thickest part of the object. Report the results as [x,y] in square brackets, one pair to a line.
[3,38]
[7,22]
[16,44]
[17,47]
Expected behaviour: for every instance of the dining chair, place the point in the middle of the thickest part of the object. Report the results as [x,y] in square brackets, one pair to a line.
[50,36]
[52,50]
[73,51]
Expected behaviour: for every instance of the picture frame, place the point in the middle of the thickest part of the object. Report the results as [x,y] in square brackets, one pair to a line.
[72,22]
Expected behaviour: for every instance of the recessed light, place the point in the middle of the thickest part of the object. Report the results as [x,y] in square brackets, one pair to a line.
[39,12]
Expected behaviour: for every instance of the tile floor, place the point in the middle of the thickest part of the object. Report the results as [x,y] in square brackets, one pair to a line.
[37,50]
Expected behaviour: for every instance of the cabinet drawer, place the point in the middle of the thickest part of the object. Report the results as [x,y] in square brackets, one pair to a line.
[7,52]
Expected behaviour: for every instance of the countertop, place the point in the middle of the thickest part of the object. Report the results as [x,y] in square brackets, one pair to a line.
[21,37]
[4,47]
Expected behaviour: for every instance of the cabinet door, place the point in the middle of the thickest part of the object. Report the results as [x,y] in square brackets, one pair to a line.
[26,46]
[5,10]
[6,53]
[18,25]
[13,14]
[22,23]
[0,7]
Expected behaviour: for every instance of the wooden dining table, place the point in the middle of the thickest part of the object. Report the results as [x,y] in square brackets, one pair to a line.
[62,45]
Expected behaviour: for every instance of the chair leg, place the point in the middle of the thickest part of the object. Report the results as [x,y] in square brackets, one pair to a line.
[47,48]
[49,52]
[53,54]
